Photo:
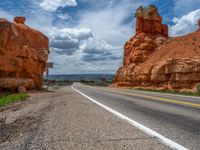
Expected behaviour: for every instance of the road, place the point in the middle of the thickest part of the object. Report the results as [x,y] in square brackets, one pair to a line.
[65,120]
[172,116]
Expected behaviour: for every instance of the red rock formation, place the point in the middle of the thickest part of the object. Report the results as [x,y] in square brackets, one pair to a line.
[23,54]
[199,23]
[149,21]
[152,60]
[20,20]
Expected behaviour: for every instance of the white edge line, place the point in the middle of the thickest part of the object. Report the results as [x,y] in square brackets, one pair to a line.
[145,129]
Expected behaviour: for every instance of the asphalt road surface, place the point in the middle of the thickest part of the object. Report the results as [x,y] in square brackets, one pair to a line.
[99,118]
[65,120]
[172,116]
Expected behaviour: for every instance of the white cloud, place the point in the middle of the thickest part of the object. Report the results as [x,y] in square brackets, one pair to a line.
[71,33]
[96,46]
[53,5]
[91,55]
[98,38]
[64,16]
[185,24]
[96,50]
[108,23]
[67,41]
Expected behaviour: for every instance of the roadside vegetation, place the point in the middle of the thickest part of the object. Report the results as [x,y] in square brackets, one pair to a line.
[60,83]
[51,85]
[8,98]
[97,83]
[57,82]
[170,92]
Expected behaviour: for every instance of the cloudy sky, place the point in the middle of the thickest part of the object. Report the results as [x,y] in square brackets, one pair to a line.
[87,36]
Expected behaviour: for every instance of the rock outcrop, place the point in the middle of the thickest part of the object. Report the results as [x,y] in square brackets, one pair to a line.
[23,54]
[149,21]
[152,60]
[20,20]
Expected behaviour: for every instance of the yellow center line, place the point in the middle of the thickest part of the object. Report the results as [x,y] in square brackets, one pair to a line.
[153,98]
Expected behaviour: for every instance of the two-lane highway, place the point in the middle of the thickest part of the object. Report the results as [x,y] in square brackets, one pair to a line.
[175,117]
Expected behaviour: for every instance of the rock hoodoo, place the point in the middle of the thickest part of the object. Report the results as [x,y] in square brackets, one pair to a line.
[23,54]
[152,60]
[149,21]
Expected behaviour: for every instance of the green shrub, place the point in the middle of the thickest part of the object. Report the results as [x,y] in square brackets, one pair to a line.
[8,99]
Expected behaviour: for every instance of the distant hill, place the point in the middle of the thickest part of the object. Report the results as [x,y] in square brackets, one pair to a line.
[81,77]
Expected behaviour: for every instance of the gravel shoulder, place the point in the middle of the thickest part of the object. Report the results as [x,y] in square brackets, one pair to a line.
[65,120]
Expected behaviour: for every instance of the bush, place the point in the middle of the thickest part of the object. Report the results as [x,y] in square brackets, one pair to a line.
[8,99]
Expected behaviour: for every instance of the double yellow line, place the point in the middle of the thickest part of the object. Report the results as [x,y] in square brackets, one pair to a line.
[152,97]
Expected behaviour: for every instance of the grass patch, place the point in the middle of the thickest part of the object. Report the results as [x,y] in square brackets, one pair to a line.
[12,98]
[170,92]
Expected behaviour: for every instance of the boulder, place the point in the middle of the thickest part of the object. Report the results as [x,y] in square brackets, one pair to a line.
[21,89]
[23,54]
[20,20]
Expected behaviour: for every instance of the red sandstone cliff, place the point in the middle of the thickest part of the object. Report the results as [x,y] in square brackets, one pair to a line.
[23,54]
[153,60]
